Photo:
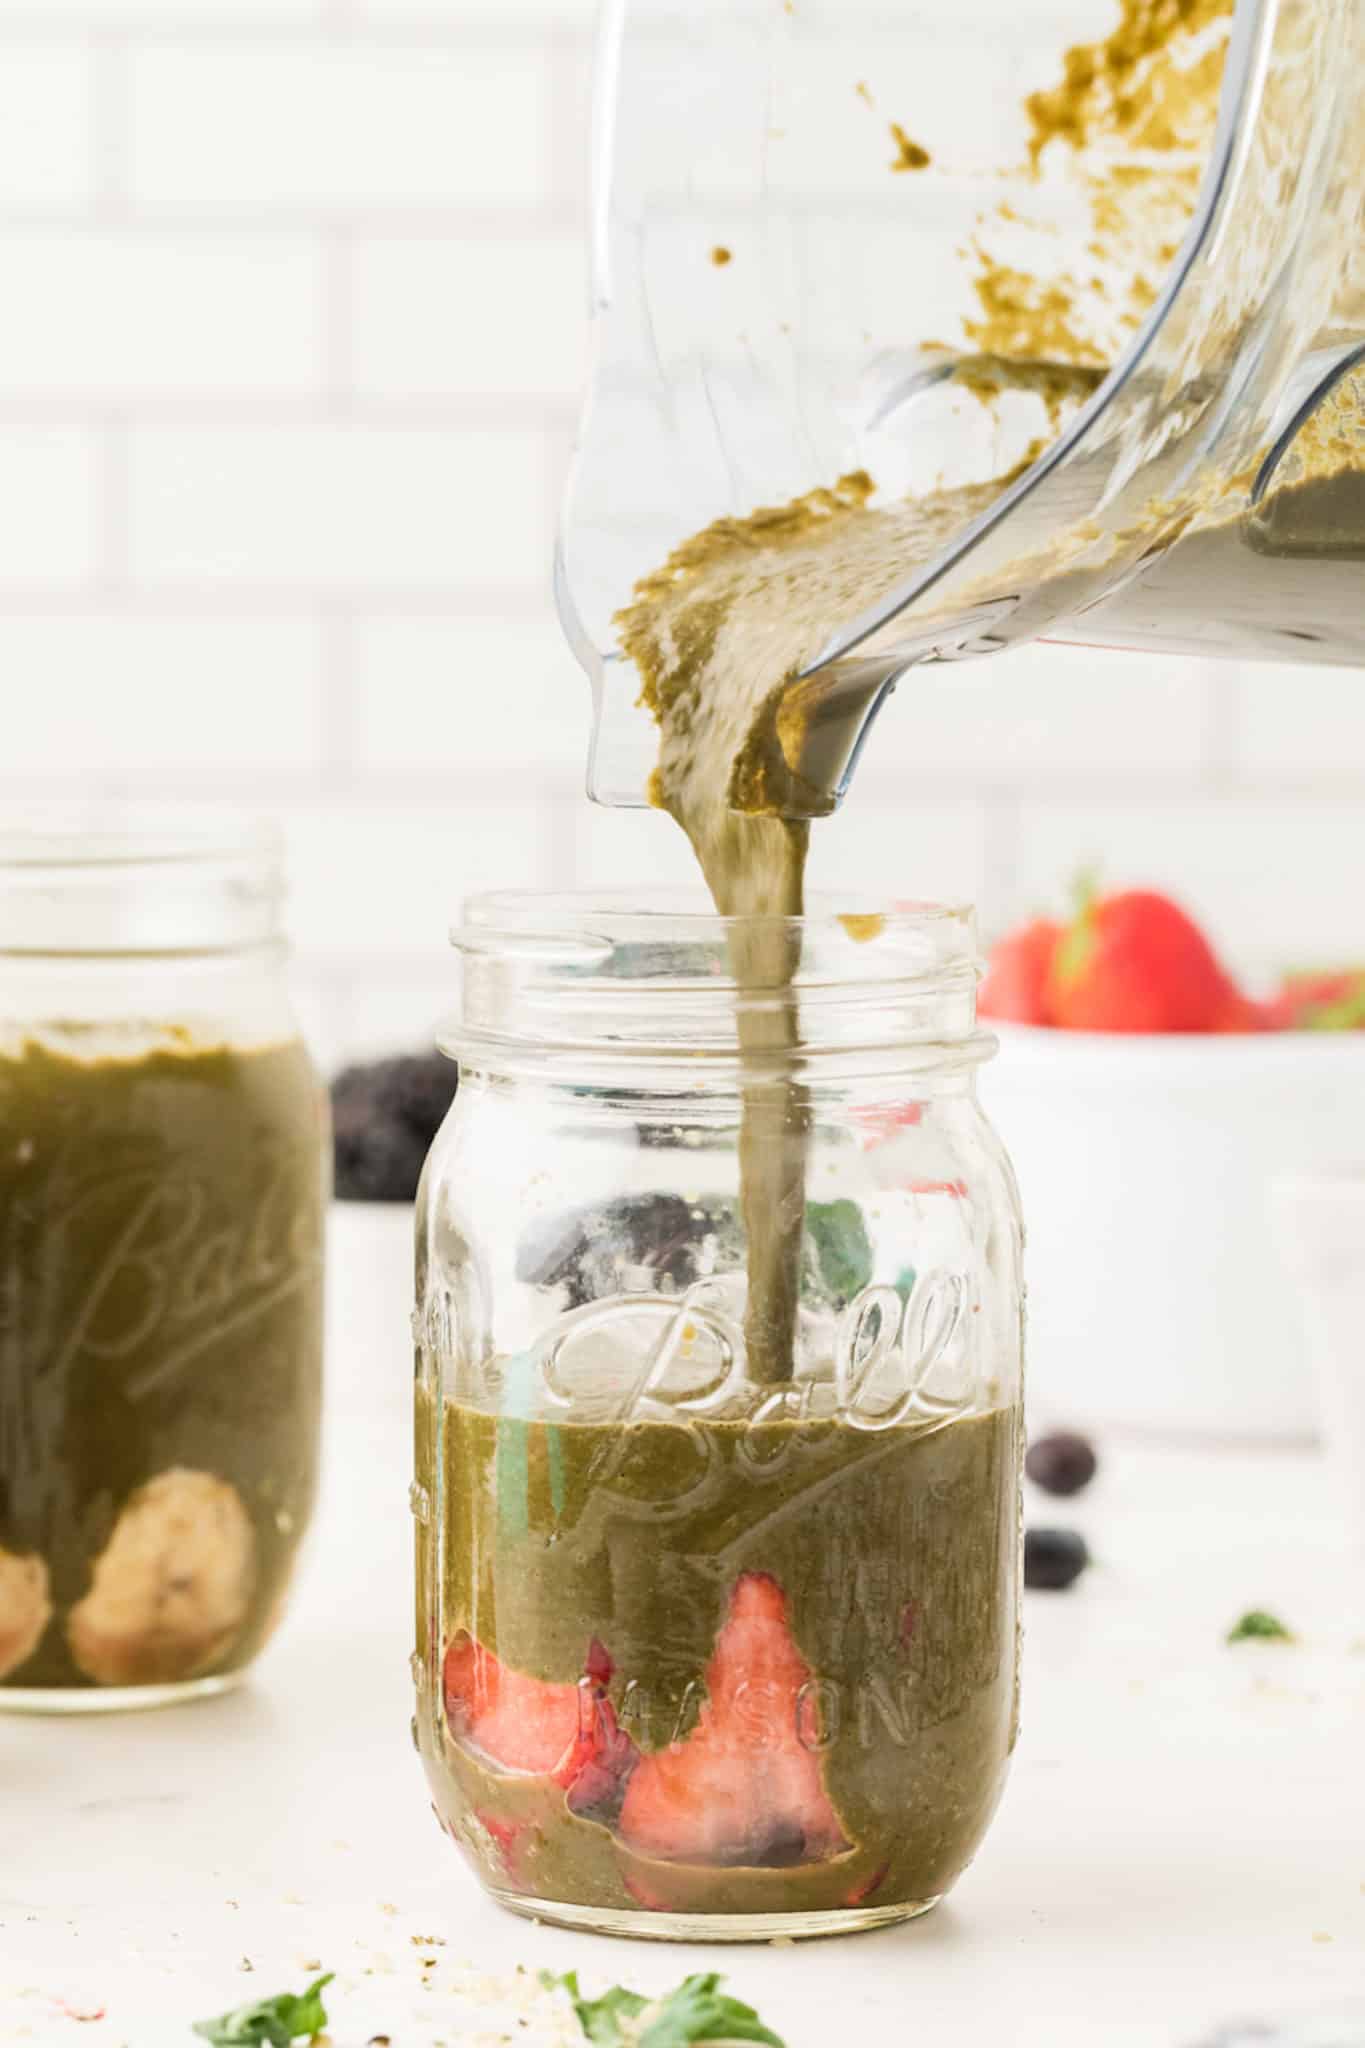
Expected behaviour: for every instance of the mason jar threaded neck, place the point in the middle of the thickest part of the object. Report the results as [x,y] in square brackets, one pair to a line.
[650,975]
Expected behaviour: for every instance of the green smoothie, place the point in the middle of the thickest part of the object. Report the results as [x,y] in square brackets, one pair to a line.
[160,1352]
[721,1666]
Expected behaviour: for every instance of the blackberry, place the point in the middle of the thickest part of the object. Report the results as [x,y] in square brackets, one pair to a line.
[414,1090]
[384,1117]
[585,1249]
[375,1160]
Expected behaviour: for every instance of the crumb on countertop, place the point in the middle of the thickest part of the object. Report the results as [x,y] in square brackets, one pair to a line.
[910,155]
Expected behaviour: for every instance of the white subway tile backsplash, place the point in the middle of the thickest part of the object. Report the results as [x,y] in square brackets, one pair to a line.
[528,13]
[871,851]
[159,703]
[389,1014]
[262,258]
[877,848]
[355,126]
[446,702]
[47,128]
[102,314]
[49,507]
[628,851]
[1055,716]
[162,14]
[338,509]
[324,1013]
[448,314]
[1300,725]
[379,883]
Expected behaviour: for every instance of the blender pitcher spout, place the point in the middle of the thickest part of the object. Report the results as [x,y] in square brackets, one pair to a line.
[827,715]
[778,307]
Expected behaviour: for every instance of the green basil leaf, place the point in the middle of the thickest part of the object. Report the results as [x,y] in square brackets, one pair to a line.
[600,2018]
[700,2011]
[1258,1626]
[270,2022]
[843,1249]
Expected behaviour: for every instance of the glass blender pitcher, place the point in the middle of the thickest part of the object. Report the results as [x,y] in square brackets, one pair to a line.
[1117,270]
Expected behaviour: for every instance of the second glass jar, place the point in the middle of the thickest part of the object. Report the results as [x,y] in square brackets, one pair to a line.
[163,1178]
[704,1651]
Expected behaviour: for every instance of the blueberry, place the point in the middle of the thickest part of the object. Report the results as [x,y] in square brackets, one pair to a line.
[1053,1558]
[1062,1463]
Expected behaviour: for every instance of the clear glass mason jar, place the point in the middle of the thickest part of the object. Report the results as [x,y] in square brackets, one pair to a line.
[163,1174]
[700,1656]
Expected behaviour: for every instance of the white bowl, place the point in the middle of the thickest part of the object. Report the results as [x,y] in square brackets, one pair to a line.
[1320,1225]
[1156,1294]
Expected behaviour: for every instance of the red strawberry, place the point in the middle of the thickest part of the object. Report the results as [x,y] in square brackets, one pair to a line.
[1015,987]
[605,1773]
[518,1723]
[863,1890]
[643,1896]
[742,1789]
[530,1728]
[1321,1002]
[509,1838]
[1244,1013]
[883,1121]
[1135,962]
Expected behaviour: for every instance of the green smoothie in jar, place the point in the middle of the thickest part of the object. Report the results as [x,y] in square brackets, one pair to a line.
[726,1667]
[162,1189]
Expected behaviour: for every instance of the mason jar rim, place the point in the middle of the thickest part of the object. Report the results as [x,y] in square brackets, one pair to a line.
[120,879]
[589,979]
[113,834]
[580,926]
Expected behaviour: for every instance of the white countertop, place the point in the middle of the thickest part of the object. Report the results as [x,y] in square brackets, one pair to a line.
[1182,1841]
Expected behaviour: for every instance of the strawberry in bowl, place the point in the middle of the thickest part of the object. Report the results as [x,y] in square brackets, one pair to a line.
[1130,962]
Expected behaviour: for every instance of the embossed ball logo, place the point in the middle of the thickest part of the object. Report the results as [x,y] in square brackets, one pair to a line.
[178,1272]
[892,1359]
